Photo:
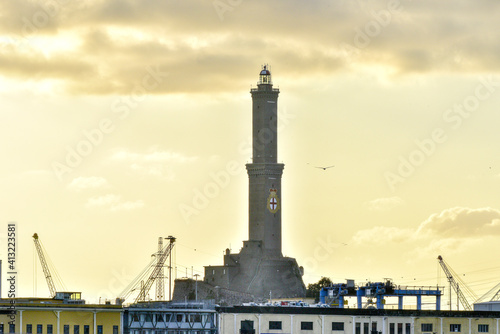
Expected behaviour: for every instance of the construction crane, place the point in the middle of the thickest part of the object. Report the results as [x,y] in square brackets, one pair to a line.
[455,283]
[153,271]
[45,267]
[158,268]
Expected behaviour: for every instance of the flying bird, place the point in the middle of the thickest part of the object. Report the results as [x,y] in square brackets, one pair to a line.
[324,168]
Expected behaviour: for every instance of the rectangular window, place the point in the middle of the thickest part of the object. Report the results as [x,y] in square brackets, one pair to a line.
[337,326]
[400,328]
[392,328]
[306,325]
[358,328]
[407,328]
[99,329]
[455,327]
[39,329]
[426,327]
[76,329]
[247,327]
[366,328]
[374,327]
[29,328]
[115,329]
[66,329]
[86,329]
[1,328]
[12,328]
[274,324]
[49,329]
[483,328]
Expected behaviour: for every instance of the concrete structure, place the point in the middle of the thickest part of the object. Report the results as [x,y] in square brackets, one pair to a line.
[487,306]
[171,318]
[335,294]
[190,290]
[58,316]
[312,320]
[259,268]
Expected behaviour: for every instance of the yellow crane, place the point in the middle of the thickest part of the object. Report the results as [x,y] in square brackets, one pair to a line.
[45,267]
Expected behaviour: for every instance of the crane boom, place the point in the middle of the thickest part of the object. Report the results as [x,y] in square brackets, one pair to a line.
[454,284]
[158,268]
[45,267]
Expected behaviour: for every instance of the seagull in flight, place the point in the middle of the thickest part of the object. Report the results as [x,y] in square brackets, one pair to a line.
[324,168]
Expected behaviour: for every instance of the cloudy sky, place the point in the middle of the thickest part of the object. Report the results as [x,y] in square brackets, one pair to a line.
[123,121]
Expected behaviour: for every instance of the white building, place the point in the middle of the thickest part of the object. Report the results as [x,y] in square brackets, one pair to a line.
[312,320]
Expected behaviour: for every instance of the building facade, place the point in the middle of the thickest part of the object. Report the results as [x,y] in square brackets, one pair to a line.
[170,318]
[49,316]
[311,320]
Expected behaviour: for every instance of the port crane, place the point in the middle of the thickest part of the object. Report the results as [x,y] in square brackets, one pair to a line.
[45,267]
[156,273]
[455,284]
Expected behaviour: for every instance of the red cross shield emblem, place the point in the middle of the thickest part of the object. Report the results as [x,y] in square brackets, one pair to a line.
[273,202]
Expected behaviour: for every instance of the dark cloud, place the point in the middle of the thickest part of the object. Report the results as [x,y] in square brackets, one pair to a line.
[204,48]
[40,67]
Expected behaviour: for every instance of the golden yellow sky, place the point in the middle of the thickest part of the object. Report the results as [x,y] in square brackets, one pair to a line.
[127,120]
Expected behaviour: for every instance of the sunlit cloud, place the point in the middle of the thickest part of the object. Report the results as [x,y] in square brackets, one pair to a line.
[127,206]
[384,204]
[102,201]
[383,235]
[447,228]
[113,202]
[153,156]
[460,222]
[156,163]
[92,182]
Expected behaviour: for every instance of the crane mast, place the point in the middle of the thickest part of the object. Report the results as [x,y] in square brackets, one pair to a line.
[160,282]
[45,267]
[454,284]
[158,268]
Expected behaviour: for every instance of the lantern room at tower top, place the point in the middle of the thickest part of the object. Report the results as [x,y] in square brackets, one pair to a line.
[265,76]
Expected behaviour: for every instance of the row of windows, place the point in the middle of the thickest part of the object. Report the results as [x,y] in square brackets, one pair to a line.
[50,329]
[247,325]
[402,328]
[481,328]
[392,328]
[195,317]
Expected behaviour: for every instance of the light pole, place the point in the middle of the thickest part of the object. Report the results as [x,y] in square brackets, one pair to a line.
[196,287]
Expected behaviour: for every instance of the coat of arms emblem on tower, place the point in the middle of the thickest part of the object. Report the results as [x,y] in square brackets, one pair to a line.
[273,202]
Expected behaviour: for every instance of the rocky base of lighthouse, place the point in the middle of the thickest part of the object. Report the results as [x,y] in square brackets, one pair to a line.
[262,276]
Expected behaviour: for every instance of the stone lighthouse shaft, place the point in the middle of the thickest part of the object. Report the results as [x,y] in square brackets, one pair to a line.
[260,269]
[264,172]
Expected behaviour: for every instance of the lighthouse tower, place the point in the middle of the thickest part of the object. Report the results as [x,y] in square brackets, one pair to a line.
[260,269]
[264,172]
